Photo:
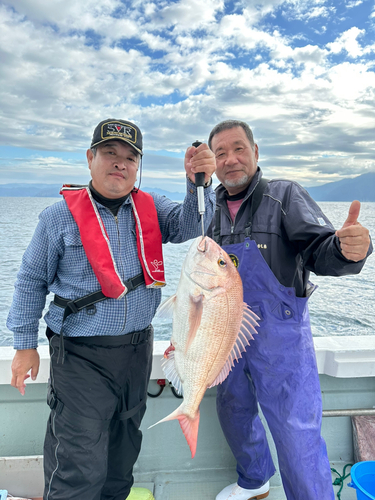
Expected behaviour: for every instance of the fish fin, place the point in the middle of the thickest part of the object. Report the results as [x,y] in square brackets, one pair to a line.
[168,351]
[195,317]
[222,375]
[249,322]
[170,372]
[247,328]
[172,416]
[165,310]
[249,318]
[188,425]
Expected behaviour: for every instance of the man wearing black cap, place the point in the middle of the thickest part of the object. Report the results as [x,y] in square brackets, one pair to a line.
[113,138]
[99,252]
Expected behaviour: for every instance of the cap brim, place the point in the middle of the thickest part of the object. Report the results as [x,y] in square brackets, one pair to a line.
[117,139]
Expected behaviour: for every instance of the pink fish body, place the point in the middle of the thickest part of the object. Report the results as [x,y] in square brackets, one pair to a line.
[211,327]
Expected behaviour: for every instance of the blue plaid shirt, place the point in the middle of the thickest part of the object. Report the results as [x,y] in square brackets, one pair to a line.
[55,262]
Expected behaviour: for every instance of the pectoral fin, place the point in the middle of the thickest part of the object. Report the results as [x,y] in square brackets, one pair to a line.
[165,310]
[195,317]
[170,372]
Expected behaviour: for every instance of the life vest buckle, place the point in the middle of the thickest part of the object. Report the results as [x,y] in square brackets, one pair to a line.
[72,306]
[129,286]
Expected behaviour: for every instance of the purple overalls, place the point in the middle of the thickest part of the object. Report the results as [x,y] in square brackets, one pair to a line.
[279,371]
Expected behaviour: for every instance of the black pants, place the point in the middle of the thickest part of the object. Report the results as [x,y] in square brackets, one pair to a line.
[97,398]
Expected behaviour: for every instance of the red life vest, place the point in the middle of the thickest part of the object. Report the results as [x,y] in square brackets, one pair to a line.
[97,246]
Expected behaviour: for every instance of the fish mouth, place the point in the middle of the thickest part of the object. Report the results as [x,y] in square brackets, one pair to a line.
[203,245]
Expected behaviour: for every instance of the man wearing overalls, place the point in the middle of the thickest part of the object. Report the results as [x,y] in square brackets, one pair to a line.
[276,234]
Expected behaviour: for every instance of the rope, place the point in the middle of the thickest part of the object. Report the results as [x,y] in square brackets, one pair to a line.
[340,480]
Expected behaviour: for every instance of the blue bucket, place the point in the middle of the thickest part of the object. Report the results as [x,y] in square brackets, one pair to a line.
[363,480]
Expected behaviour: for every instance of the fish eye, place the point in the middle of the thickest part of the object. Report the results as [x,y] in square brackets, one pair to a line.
[222,262]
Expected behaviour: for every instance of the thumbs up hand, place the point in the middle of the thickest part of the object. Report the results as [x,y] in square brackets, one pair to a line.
[354,238]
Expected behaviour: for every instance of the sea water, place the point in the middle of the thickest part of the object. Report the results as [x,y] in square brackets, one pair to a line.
[340,305]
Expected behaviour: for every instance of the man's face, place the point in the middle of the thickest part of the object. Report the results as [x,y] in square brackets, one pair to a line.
[236,161]
[113,169]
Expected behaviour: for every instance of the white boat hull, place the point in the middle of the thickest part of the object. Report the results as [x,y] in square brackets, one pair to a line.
[347,375]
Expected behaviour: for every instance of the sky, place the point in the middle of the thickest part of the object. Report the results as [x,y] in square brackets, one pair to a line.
[301,73]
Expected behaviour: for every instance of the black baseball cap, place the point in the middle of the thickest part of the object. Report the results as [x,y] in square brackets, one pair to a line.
[120,130]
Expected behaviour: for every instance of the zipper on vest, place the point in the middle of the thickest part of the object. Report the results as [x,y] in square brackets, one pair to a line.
[233,223]
[231,234]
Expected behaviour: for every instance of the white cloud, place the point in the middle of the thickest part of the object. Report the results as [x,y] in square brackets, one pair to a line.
[354,83]
[310,54]
[177,68]
[348,41]
[354,3]
[183,15]
[44,170]
[318,12]
[307,9]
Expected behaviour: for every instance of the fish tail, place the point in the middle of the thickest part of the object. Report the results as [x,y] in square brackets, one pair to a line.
[188,425]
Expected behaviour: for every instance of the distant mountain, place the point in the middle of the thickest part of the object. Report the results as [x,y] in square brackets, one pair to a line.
[360,188]
[34,190]
[174,196]
[52,191]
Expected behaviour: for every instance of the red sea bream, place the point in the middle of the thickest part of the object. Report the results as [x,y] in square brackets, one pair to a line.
[211,327]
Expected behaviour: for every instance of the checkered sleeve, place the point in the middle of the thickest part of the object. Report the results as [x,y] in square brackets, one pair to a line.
[37,270]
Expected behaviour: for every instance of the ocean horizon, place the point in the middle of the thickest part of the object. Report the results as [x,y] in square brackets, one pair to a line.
[340,305]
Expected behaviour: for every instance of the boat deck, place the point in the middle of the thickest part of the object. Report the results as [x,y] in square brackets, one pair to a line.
[206,485]
[347,377]
[191,485]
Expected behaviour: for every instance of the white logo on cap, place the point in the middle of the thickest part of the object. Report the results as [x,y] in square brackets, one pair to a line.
[120,130]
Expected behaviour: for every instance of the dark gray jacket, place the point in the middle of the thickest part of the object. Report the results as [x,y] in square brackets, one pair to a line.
[292,233]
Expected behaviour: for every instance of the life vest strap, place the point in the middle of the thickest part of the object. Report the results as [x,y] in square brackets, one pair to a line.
[74,306]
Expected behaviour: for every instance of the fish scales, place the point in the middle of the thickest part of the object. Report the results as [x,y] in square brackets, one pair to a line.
[211,327]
